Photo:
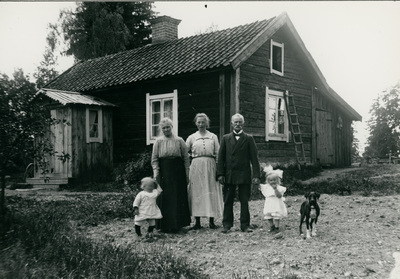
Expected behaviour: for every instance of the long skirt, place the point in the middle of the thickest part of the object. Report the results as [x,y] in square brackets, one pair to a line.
[205,193]
[173,201]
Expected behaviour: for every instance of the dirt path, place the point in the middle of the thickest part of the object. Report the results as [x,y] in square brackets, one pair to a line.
[357,237]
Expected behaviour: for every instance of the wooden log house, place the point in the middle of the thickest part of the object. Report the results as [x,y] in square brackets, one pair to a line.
[247,69]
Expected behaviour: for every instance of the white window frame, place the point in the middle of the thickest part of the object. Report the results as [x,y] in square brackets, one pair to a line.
[269,136]
[282,46]
[100,125]
[162,97]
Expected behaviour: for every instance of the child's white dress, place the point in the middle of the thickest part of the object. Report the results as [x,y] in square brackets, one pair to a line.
[274,207]
[146,203]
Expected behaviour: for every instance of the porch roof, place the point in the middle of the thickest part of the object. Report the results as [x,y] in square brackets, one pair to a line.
[70,97]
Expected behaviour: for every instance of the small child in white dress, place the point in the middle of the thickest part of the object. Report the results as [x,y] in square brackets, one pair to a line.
[145,207]
[274,206]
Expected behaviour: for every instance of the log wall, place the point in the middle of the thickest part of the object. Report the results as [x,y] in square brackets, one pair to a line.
[196,93]
[255,77]
[300,81]
[90,161]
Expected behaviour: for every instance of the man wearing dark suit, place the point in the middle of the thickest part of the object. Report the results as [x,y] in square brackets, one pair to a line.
[237,151]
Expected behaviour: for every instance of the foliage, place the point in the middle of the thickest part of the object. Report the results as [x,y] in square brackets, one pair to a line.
[384,125]
[46,239]
[21,121]
[97,29]
[45,72]
[355,148]
[134,170]
[212,28]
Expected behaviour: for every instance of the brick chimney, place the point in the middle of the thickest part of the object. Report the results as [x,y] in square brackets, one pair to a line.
[164,28]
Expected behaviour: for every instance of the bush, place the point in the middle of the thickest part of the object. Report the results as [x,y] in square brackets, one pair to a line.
[134,170]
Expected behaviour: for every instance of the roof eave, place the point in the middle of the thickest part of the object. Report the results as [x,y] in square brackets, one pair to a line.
[258,41]
[98,101]
[329,92]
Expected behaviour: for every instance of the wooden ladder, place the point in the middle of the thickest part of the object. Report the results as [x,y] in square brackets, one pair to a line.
[295,129]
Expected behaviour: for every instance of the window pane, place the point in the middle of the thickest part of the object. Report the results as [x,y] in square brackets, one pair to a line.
[281,116]
[155,106]
[168,109]
[277,58]
[93,123]
[156,118]
[271,127]
[272,102]
[272,115]
[154,131]
[281,122]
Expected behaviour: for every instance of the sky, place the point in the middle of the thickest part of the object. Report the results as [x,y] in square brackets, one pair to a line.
[356,44]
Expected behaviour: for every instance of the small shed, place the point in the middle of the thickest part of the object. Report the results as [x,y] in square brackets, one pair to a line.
[81,137]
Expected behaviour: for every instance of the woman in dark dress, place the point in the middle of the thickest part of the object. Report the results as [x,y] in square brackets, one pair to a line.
[170,162]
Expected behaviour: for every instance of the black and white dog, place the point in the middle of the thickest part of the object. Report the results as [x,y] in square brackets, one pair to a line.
[309,211]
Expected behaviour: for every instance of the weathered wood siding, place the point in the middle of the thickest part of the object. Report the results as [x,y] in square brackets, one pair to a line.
[91,161]
[255,76]
[338,140]
[196,93]
[59,136]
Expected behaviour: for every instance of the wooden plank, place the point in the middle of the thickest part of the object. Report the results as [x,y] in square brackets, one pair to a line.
[235,91]
[222,92]
[68,149]
[325,145]
[59,142]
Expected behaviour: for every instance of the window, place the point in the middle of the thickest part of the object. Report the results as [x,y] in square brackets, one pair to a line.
[94,125]
[276,116]
[158,107]
[277,58]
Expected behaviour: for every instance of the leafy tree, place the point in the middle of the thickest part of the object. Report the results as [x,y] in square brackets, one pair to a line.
[212,28]
[96,29]
[384,125]
[355,148]
[21,121]
[45,72]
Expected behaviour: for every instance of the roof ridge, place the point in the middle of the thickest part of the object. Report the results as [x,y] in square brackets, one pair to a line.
[187,54]
[173,41]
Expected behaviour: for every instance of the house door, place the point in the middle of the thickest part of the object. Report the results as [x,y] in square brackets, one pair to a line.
[59,139]
[325,137]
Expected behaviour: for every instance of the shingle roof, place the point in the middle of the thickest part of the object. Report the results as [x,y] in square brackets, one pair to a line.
[195,53]
[68,97]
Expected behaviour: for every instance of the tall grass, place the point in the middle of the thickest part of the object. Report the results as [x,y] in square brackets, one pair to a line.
[47,239]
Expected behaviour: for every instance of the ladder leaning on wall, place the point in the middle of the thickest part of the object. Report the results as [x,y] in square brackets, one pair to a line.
[295,129]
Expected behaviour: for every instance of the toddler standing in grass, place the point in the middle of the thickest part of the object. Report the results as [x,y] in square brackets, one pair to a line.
[145,207]
[274,206]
